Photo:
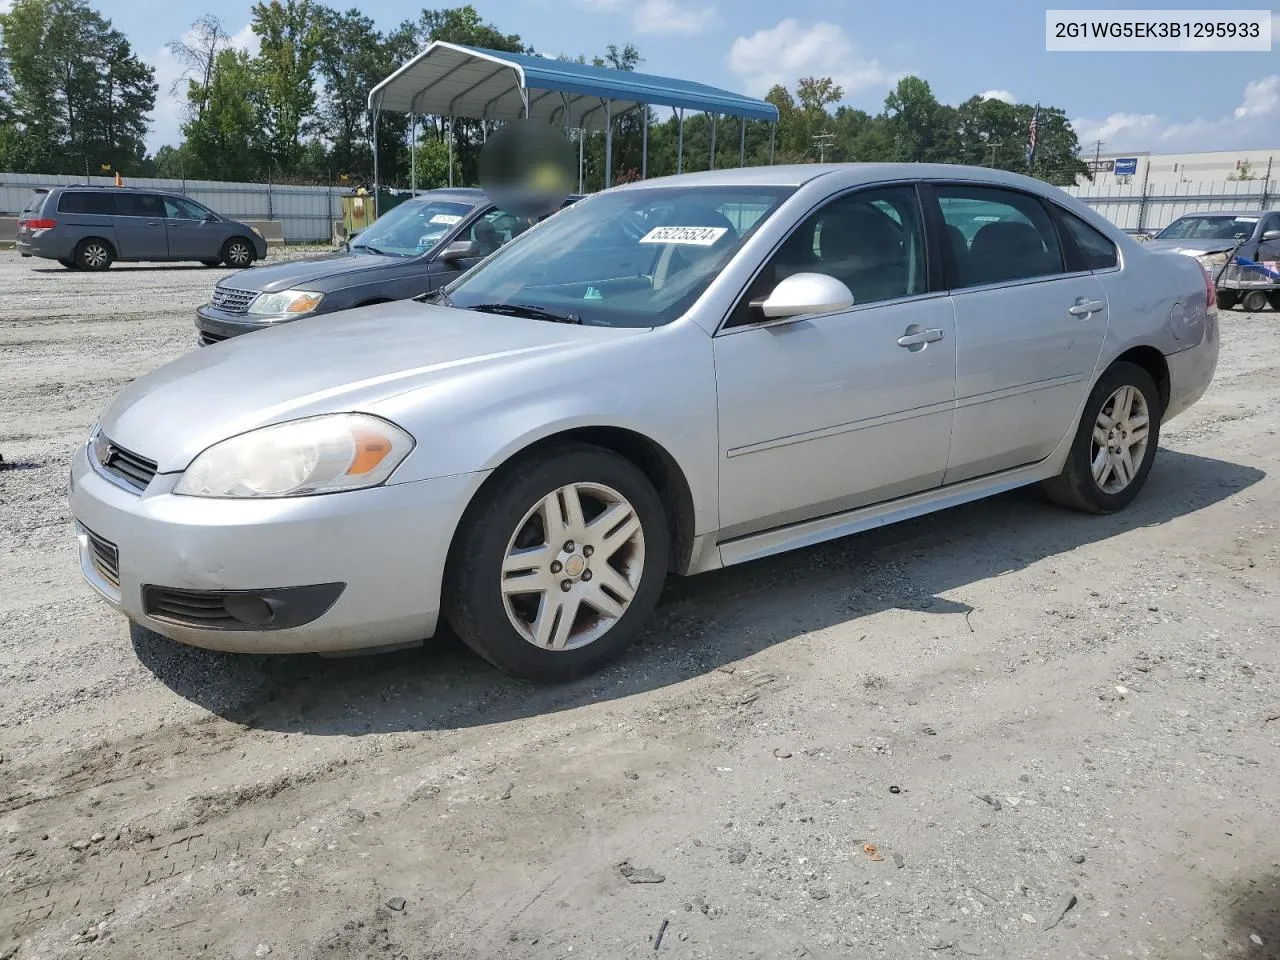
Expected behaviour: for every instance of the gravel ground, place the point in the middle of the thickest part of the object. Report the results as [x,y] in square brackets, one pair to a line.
[1005,731]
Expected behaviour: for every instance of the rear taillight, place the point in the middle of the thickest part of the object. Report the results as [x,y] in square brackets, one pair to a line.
[38,224]
[1210,291]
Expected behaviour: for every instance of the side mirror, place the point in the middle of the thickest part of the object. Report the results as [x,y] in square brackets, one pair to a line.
[802,294]
[1271,235]
[210,218]
[461,250]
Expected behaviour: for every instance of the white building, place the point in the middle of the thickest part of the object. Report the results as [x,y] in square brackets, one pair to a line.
[1165,169]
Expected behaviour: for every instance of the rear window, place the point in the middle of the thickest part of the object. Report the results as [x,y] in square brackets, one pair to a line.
[140,205]
[84,201]
[1092,250]
[35,202]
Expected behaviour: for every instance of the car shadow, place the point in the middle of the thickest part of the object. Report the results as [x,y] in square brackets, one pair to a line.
[702,622]
[135,268]
[1253,918]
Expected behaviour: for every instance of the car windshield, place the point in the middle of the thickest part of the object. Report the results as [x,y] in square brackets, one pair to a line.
[631,258]
[411,228]
[1223,227]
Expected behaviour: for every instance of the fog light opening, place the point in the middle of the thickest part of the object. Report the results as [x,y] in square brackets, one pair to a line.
[250,609]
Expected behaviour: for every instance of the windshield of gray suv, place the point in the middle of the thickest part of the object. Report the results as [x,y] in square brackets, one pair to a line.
[631,258]
[411,228]
[1222,227]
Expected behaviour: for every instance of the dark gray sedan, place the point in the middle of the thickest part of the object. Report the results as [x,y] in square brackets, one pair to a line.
[412,249]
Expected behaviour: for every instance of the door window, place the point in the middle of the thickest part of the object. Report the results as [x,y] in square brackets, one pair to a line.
[139,205]
[180,208]
[870,240]
[99,203]
[495,228]
[1093,251]
[997,235]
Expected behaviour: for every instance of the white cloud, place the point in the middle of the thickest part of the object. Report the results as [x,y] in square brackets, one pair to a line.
[166,119]
[661,17]
[1004,95]
[1254,122]
[793,49]
[6,6]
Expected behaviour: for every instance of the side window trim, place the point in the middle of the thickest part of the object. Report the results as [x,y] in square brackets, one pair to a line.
[952,274]
[931,261]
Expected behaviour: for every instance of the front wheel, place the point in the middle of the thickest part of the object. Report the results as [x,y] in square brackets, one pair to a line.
[1227,299]
[237,253]
[555,570]
[1254,301]
[1115,443]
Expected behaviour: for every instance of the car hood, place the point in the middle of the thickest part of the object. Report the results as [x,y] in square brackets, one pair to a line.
[341,362]
[314,273]
[1192,248]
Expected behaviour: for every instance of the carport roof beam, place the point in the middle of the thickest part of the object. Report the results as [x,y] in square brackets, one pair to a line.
[449,79]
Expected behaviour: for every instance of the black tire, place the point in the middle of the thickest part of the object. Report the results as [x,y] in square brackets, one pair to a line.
[1254,301]
[94,253]
[212,263]
[1274,299]
[70,264]
[1227,299]
[473,601]
[1076,487]
[238,253]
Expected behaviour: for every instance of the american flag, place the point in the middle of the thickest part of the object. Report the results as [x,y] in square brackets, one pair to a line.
[1031,134]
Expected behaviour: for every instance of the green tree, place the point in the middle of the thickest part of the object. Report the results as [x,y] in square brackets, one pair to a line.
[432,165]
[79,96]
[351,59]
[226,141]
[197,56]
[290,35]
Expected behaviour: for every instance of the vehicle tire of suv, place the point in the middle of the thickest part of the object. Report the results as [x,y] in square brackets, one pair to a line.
[93,253]
[1227,299]
[212,263]
[237,253]
[510,517]
[1100,438]
[70,264]
[1254,301]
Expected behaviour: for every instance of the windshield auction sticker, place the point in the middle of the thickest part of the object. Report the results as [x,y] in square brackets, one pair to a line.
[446,218]
[695,236]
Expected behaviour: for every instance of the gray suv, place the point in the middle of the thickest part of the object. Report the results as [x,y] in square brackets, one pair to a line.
[414,248]
[89,228]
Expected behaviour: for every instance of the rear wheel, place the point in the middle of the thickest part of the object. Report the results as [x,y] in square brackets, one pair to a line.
[557,567]
[212,263]
[1227,299]
[1115,443]
[94,253]
[237,252]
[1254,300]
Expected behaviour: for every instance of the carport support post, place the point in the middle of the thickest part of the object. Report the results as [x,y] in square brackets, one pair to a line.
[773,132]
[742,141]
[680,142]
[377,111]
[644,143]
[608,146]
[712,161]
[582,140]
[413,154]
[451,151]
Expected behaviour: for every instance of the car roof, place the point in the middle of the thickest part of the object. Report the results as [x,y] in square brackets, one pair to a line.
[1228,213]
[799,174]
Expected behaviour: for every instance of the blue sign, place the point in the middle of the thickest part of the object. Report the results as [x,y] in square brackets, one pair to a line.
[1126,166]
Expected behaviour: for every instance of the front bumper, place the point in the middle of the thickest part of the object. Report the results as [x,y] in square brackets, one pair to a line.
[214,325]
[387,545]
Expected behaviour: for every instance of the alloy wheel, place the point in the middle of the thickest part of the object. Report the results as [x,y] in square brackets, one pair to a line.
[573,566]
[1120,438]
[95,255]
[238,254]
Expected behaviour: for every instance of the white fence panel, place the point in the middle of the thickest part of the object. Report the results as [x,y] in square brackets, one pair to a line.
[1132,209]
[305,213]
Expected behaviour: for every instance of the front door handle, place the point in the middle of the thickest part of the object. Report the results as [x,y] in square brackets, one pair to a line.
[1084,308]
[920,338]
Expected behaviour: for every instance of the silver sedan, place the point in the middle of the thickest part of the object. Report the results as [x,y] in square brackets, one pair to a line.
[671,376]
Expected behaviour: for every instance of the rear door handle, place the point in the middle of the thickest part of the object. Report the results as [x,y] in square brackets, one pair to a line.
[919,339]
[1083,308]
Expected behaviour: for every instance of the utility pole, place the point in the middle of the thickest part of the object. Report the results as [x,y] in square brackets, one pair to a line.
[822,141]
[1097,155]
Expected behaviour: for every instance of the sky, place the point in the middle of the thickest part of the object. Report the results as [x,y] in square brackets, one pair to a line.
[1158,102]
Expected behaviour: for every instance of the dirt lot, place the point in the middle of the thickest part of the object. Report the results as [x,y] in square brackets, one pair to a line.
[1059,734]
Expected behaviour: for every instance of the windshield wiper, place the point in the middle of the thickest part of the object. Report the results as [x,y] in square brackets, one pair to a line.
[435,296]
[365,246]
[526,310]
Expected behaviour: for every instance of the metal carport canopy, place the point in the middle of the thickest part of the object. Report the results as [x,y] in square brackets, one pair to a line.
[450,80]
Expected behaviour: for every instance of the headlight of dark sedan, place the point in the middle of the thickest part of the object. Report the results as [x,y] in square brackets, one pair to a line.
[326,454]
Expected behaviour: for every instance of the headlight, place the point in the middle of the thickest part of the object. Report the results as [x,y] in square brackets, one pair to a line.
[1211,260]
[287,301]
[257,231]
[326,454]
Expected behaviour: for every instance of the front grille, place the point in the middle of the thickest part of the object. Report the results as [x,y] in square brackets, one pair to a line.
[231,300]
[134,470]
[105,558]
[208,339]
[190,607]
